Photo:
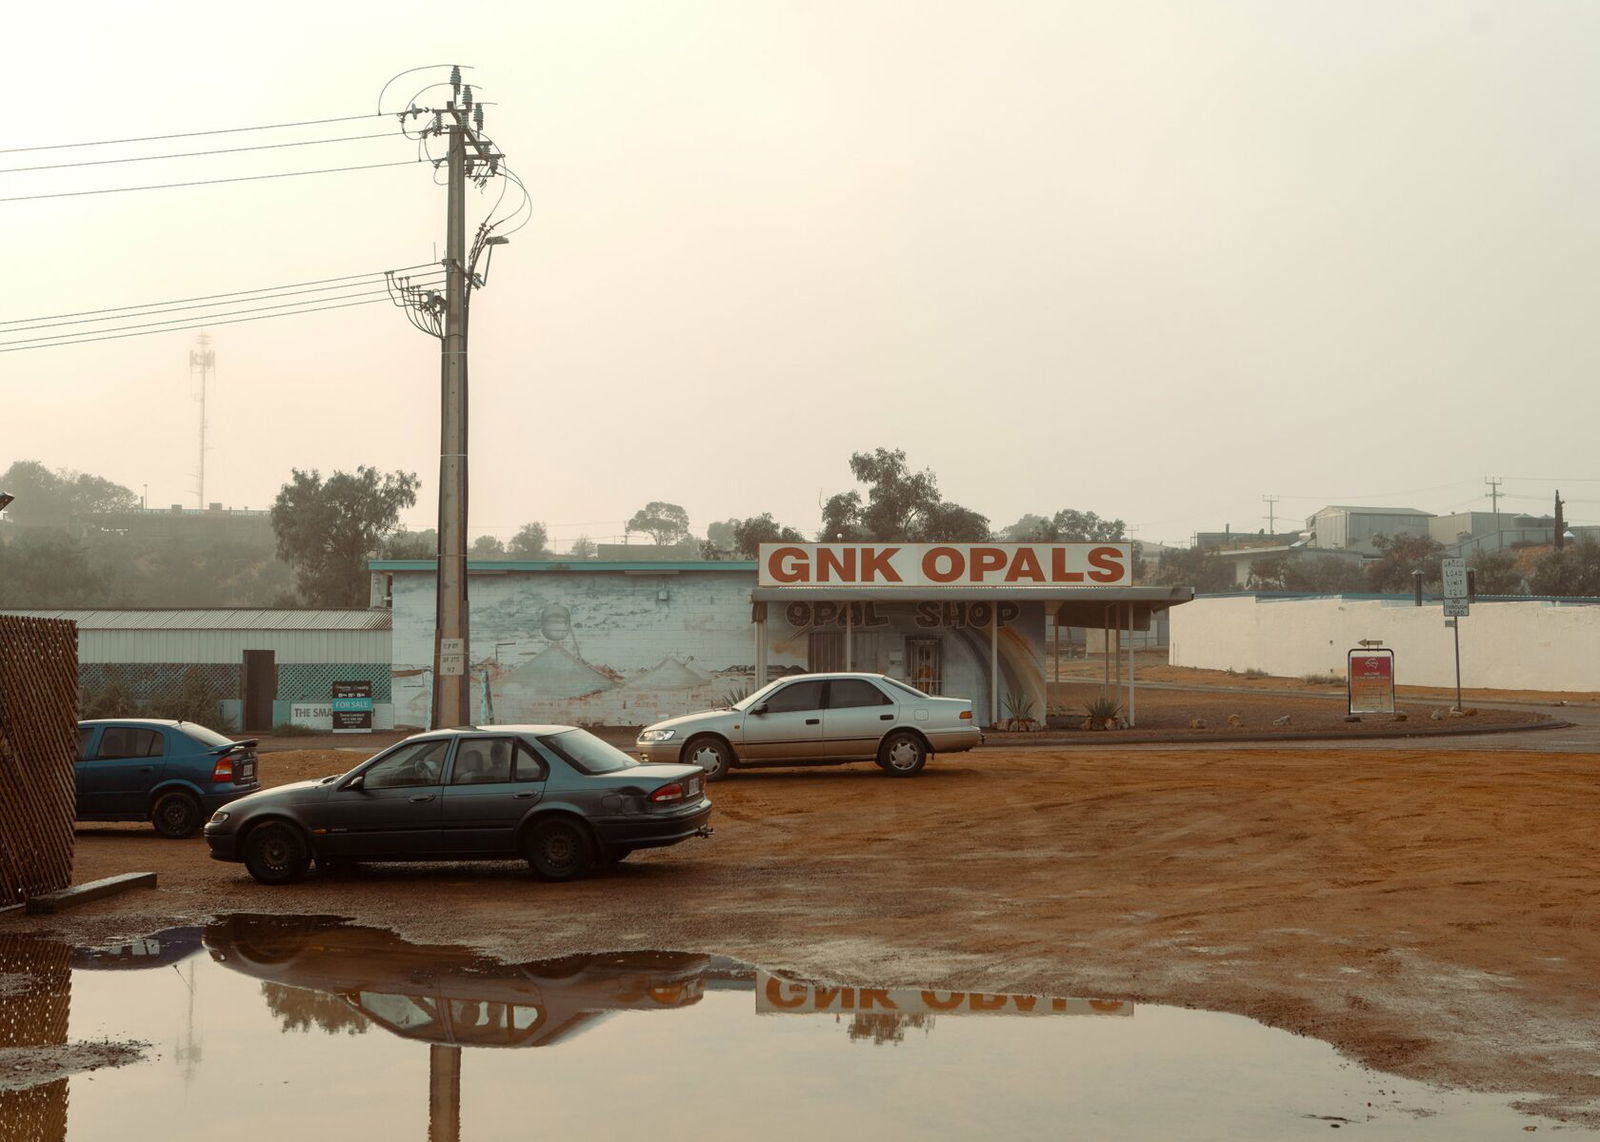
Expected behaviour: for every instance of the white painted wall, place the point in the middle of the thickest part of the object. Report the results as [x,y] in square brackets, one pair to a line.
[1522,645]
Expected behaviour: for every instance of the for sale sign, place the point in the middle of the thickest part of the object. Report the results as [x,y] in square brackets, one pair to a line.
[1369,681]
[352,707]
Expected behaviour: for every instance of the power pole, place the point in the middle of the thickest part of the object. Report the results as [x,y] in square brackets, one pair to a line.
[469,155]
[1272,518]
[1561,523]
[1494,483]
[202,361]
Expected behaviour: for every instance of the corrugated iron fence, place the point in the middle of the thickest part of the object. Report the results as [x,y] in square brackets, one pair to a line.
[38,741]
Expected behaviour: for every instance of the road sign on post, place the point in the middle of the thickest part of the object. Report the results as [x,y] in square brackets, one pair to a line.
[1455,608]
[1454,572]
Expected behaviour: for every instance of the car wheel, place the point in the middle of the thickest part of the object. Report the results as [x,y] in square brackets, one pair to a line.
[559,850]
[903,754]
[176,815]
[711,754]
[276,853]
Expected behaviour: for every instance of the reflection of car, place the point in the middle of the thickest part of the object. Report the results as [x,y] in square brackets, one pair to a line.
[157,950]
[173,774]
[556,796]
[814,718]
[451,995]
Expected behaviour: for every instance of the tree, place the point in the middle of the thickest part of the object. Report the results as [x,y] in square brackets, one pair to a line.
[900,505]
[1067,526]
[666,523]
[1399,556]
[750,534]
[1495,573]
[327,529]
[405,544]
[487,547]
[53,571]
[57,498]
[530,542]
[1304,571]
[1571,572]
[1195,567]
[583,548]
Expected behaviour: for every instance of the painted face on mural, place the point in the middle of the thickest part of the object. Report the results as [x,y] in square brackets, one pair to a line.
[555,622]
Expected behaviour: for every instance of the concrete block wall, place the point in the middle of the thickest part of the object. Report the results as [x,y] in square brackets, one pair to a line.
[1513,645]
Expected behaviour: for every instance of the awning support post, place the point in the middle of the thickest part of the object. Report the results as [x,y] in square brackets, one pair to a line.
[1132,691]
[758,612]
[849,626]
[994,665]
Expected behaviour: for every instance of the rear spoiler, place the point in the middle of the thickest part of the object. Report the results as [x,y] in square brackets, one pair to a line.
[247,743]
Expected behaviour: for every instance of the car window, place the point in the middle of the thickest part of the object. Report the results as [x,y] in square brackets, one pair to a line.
[481,761]
[587,753]
[130,741]
[909,689]
[796,696]
[203,735]
[419,763]
[845,693]
[84,734]
[754,699]
[529,766]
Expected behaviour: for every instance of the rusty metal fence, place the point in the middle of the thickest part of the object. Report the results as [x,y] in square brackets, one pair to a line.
[38,741]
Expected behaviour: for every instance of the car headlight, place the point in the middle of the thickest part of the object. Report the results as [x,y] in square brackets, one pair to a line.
[657,735]
[219,816]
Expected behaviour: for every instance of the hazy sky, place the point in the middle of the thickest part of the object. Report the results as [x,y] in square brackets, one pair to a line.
[1154,260]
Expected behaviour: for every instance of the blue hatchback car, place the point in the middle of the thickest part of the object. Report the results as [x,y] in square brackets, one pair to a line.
[172,774]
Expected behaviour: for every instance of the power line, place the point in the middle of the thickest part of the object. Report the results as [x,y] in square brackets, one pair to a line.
[197,154]
[191,134]
[376,275]
[202,318]
[206,181]
[9,347]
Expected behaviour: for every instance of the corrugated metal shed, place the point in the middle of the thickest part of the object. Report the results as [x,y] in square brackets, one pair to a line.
[222,619]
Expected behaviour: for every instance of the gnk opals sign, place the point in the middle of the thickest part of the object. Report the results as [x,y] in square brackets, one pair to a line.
[945,564]
[352,707]
[1369,681]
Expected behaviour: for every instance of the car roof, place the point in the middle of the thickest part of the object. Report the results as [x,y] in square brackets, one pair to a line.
[497,729]
[824,675]
[167,723]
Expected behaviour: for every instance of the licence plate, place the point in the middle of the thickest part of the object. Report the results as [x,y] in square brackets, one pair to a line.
[694,787]
[247,770]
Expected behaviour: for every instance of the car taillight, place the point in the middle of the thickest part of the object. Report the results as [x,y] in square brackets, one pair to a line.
[965,715]
[223,770]
[669,792]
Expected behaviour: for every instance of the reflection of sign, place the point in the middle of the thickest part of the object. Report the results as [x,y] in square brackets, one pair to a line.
[352,707]
[1454,573]
[833,614]
[958,616]
[777,995]
[1369,680]
[1455,608]
[946,564]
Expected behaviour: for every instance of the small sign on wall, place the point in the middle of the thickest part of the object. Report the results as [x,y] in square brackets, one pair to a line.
[352,707]
[1369,681]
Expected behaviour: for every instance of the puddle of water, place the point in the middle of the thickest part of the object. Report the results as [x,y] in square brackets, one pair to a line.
[265,1028]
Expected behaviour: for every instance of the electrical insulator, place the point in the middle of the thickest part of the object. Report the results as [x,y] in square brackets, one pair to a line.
[438,123]
[477,116]
[466,96]
[455,79]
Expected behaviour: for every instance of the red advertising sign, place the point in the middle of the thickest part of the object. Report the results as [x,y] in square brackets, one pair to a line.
[1369,681]
[945,564]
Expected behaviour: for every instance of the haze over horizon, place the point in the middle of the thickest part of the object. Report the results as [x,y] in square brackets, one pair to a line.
[1156,262]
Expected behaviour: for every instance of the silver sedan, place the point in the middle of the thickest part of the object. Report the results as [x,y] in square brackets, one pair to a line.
[818,718]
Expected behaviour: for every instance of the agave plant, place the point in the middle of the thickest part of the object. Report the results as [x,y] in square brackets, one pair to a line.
[1102,713]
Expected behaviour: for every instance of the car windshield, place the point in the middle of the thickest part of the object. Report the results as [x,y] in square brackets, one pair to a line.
[587,752]
[895,682]
[760,696]
[203,735]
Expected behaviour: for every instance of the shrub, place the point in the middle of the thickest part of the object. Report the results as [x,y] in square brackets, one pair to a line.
[109,701]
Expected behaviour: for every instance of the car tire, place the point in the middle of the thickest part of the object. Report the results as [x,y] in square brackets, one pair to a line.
[176,815]
[902,754]
[276,853]
[711,754]
[559,850]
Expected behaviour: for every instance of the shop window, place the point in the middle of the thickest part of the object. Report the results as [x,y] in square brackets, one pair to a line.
[825,651]
[925,664]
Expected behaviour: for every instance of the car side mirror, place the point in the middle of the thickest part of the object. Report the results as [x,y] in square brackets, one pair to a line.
[359,781]
[759,710]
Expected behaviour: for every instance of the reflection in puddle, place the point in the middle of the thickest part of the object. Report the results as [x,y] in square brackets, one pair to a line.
[272,1026]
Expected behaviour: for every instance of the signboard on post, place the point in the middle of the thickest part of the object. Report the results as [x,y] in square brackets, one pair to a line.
[1454,572]
[1455,608]
[1369,681]
[352,707]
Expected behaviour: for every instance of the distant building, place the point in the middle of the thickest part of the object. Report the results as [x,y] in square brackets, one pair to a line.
[1341,527]
[240,525]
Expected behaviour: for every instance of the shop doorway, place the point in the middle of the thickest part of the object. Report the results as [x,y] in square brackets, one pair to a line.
[925,664]
[825,651]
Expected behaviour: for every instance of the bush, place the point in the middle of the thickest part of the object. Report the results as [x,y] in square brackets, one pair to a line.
[109,701]
[196,701]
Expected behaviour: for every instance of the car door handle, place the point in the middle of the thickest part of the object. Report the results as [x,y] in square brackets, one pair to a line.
[525,796]
[885,717]
[813,721]
[421,797]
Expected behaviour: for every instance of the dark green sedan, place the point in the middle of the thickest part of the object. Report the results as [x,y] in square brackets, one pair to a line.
[555,796]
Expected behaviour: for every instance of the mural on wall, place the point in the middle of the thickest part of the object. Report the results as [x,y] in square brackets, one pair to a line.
[588,649]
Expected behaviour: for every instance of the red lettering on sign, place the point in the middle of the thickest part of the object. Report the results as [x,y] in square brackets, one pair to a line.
[1106,1004]
[1025,1003]
[875,563]
[841,563]
[826,995]
[1058,567]
[1107,564]
[775,996]
[876,997]
[789,565]
[1025,566]
[985,560]
[988,1002]
[953,564]
[951,1001]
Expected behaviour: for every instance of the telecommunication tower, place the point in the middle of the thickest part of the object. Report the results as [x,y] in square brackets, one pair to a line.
[202,362]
